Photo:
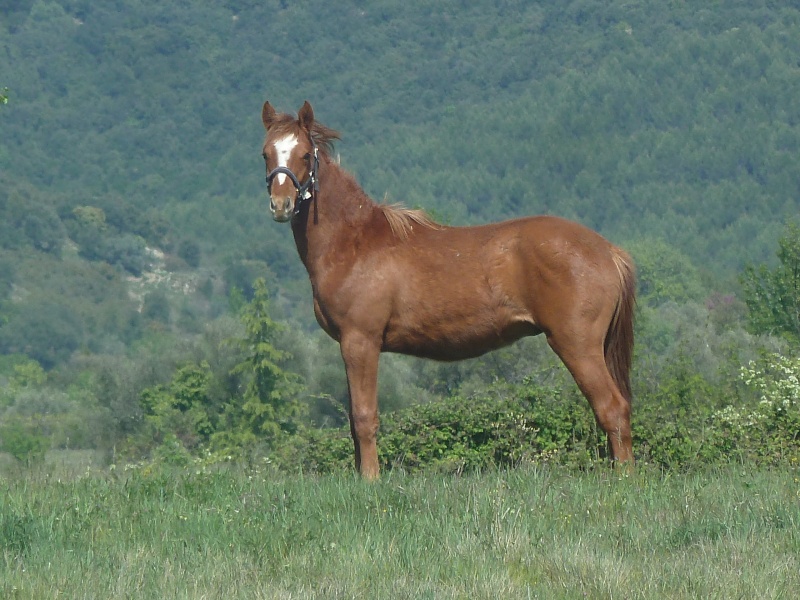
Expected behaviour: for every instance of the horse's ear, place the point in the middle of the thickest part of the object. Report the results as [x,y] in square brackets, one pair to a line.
[267,115]
[305,116]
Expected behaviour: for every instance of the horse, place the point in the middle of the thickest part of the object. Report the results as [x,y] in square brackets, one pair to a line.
[390,279]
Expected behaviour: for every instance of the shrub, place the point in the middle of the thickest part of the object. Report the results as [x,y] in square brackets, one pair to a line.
[768,431]
[679,425]
[21,439]
[181,411]
[504,425]
[763,430]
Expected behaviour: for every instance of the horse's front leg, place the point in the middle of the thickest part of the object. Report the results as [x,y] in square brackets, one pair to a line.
[361,355]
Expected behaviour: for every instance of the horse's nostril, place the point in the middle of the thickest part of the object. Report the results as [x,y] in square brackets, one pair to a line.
[288,204]
[272,206]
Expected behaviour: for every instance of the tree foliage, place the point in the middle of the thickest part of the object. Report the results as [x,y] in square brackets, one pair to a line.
[256,402]
[271,404]
[773,294]
[23,439]
[133,218]
[671,126]
[182,408]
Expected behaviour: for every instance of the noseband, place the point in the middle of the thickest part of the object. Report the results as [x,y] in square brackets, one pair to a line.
[306,190]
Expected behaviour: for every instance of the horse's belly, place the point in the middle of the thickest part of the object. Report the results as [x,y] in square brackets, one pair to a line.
[447,339]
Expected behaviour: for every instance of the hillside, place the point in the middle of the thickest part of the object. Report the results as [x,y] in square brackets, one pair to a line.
[677,118]
[132,129]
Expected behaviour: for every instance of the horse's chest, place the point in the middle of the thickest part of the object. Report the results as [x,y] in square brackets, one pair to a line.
[350,295]
[340,305]
[324,319]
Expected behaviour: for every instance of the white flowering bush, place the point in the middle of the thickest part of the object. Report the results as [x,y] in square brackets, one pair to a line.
[770,429]
[778,382]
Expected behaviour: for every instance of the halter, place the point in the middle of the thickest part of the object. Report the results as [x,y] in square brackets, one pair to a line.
[305,191]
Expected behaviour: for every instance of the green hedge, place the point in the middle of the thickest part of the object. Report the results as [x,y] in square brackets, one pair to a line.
[677,428]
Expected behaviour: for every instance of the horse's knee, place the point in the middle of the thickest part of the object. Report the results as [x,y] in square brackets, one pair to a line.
[364,425]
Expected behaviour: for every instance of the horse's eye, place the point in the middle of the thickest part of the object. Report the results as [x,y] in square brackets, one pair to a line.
[307,156]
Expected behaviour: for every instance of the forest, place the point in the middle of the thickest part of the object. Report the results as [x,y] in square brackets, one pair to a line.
[150,309]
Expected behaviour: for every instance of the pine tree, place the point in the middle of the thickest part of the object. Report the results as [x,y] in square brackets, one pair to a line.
[271,405]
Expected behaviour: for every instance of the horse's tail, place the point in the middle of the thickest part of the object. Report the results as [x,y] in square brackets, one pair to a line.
[619,337]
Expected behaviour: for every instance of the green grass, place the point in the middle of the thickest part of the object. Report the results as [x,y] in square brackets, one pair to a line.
[525,533]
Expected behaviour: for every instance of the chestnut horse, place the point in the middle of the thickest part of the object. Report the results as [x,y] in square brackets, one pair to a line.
[387,279]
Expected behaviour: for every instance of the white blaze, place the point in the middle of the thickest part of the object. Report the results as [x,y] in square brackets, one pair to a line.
[283,148]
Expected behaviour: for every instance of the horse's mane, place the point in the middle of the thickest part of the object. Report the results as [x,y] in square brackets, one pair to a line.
[323,136]
[401,220]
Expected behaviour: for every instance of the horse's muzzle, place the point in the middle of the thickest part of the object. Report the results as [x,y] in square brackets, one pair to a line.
[281,211]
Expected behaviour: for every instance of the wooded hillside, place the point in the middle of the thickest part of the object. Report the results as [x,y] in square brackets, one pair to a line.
[133,213]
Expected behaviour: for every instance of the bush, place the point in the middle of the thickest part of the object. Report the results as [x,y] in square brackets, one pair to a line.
[504,426]
[681,424]
[763,430]
[180,413]
[20,438]
[768,432]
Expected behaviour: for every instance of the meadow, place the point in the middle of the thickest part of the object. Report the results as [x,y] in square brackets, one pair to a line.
[528,532]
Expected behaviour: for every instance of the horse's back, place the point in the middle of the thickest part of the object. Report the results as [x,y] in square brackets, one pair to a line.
[536,249]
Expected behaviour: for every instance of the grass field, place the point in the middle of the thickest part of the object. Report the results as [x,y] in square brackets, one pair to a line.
[525,533]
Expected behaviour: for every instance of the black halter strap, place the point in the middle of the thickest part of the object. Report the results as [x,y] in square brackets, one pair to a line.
[305,191]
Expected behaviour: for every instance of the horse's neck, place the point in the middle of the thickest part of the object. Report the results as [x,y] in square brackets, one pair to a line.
[336,214]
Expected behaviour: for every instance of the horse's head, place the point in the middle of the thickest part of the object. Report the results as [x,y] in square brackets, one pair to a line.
[291,158]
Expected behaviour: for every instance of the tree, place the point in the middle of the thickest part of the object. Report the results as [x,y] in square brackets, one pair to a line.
[156,307]
[271,405]
[664,273]
[44,329]
[183,408]
[7,273]
[773,295]
[189,251]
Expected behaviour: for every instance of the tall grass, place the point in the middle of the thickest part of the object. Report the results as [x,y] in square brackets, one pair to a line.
[524,533]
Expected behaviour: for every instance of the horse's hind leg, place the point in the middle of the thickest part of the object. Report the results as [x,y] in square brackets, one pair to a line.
[361,365]
[611,409]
